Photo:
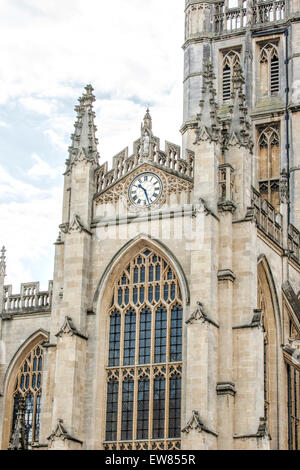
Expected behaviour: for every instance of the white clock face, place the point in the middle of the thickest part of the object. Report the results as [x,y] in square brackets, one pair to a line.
[145,189]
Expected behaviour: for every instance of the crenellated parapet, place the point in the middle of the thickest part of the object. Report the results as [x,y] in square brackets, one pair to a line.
[146,149]
[267,219]
[29,300]
[271,223]
[248,14]
[226,17]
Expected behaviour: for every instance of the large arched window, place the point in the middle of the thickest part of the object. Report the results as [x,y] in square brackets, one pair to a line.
[144,367]
[28,389]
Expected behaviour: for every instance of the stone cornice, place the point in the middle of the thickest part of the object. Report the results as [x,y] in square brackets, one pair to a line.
[195,423]
[262,432]
[292,300]
[68,328]
[227,206]
[226,275]
[199,315]
[77,226]
[226,388]
[292,354]
[257,321]
[60,433]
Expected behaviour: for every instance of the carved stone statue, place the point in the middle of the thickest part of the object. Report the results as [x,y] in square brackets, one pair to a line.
[145,144]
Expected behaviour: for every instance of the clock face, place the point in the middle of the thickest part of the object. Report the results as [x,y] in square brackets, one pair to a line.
[145,189]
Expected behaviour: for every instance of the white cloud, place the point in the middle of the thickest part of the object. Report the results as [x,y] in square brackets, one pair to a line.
[130,50]
[40,106]
[29,227]
[3,124]
[42,168]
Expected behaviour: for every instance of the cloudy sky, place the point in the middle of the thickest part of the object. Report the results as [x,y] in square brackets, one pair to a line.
[130,50]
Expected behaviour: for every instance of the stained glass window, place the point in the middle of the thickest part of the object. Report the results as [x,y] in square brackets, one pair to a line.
[29,387]
[145,357]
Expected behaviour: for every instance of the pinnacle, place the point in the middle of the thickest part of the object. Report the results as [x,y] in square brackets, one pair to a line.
[2,261]
[84,139]
[3,251]
[239,128]
[208,118]
[148,120]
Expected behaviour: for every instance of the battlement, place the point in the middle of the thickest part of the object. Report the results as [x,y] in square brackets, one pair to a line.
[146,149]
[271,223]
[266,218]
[230,16]
[30,299]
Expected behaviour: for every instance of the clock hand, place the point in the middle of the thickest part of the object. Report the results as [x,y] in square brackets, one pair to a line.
[140,186]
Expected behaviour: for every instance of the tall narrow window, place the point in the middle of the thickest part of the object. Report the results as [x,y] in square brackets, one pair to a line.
[175,406]
[293,407]
[29,388]
[269,163]
[269,70]
[127,409]
[112,409]
[230,59]
[143,408]
[114,338]
[129,339]
[145,357]
[159,404]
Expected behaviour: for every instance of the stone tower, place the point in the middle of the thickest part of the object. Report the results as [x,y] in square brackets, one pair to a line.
[173,319]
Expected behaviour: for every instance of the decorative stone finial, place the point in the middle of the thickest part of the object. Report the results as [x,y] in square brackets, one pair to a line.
[209,124]
[2,262]
[84,141]
[148,120]
[18,438]
[239,132]
[284,187]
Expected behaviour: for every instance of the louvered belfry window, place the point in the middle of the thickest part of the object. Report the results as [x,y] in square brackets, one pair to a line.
[29,388]
[269,163]
[269,70]
[144,369]
[230,59]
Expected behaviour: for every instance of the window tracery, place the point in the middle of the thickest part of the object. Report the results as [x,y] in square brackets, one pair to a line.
[269,163]
[29,388]
[145,357]
[269,70]
[230,59]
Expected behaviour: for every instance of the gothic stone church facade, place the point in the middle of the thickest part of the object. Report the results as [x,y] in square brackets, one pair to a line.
[173,319]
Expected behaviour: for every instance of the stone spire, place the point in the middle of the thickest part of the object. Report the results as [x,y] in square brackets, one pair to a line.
[18,438]
[3,263]
[84,141]
[209,125]
[239,128]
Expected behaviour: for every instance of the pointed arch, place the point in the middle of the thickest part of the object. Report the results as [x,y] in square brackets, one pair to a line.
[230,60]
[125,253]
[269,305]
[269,162]
[140,302]
[269,69]
[9,384]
